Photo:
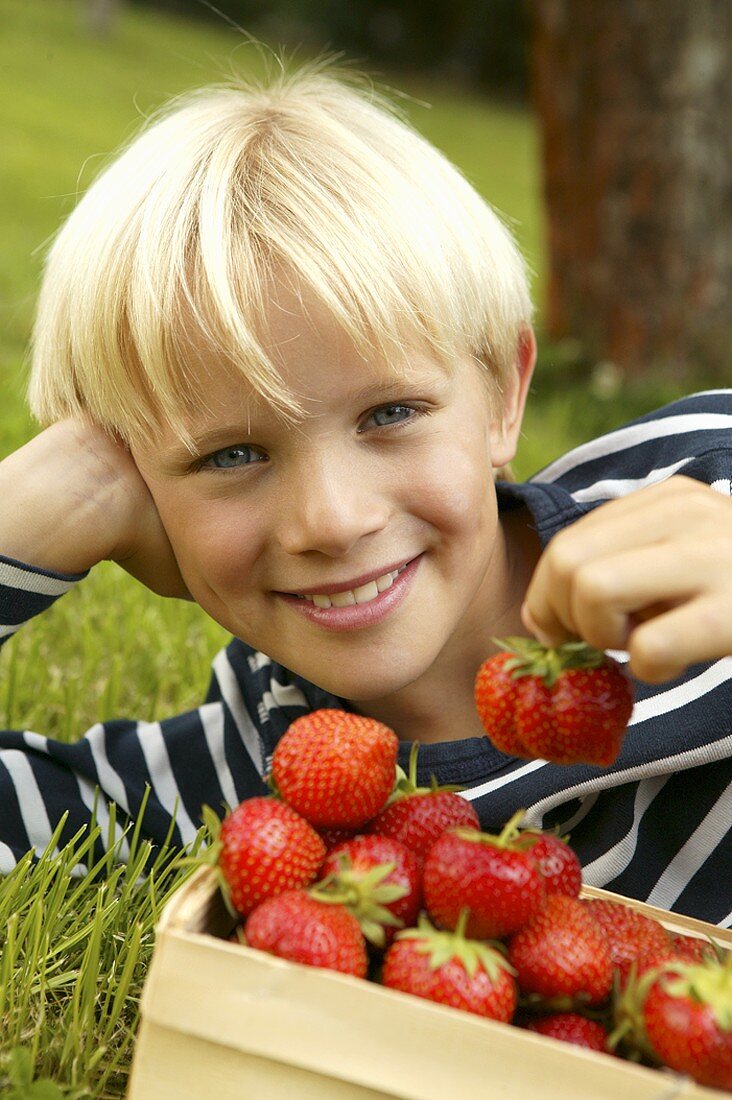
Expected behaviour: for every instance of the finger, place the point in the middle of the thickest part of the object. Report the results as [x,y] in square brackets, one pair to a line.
[700,630]
[604,597]
[652,517]
[608,596]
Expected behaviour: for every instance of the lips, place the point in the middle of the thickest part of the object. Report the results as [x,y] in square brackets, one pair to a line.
[364,605]
[363,593]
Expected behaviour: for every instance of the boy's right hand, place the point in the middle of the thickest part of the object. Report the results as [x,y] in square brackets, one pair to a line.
[72,497]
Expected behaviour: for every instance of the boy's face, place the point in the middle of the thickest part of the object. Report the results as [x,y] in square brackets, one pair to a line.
[380,503]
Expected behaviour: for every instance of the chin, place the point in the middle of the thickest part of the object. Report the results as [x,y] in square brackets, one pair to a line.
[363,685]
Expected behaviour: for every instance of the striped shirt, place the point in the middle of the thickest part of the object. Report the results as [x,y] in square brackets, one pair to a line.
[654,826]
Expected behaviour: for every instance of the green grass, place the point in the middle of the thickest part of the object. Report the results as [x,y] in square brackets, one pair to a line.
[74,953]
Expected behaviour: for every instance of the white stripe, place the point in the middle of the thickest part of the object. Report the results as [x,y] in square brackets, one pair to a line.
[285,695]
[723,486]
[627,438]
[27,581]
[212,720]
[612,862]
[612,488]
[6,631]
[706,837]
[674,698]
[727,922]
[493,784]
[231,693]
[692,758]
[7,859]
[109,780]
[257,661]
[32,806]
[155,751]
[88,793]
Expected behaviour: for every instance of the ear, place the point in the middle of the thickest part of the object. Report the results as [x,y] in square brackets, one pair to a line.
[506,425]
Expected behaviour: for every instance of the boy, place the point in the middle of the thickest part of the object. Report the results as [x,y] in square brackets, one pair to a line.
[283,350]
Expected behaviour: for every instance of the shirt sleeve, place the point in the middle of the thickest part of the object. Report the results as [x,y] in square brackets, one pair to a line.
[26,591]
[160,773]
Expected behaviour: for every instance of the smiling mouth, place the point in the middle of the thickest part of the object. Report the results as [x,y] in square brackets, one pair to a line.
[351,596]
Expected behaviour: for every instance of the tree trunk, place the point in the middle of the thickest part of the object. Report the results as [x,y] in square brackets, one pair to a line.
[635,103]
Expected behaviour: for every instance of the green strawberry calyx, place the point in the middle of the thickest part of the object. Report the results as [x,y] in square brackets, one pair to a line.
[366,894]
[511,836]
[406,784]
[547,663]
[708,983]
[443,946]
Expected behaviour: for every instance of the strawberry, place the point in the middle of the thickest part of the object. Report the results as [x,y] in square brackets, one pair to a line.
[333,837]
[336,769]
[299,926]
[379,880]
[417,816]
[569,704]
[693,948]
[687,1018]
[633,939]
[558,864]
[264,848]
[562,952]
[448,968]
[496,877]
[570,1027]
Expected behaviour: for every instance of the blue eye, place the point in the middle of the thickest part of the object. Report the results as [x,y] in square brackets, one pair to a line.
[391,414]
[231,457]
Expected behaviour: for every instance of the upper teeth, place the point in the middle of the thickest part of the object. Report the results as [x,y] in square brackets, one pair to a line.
[352,596]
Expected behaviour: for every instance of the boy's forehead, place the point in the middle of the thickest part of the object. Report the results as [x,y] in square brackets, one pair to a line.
[314,356]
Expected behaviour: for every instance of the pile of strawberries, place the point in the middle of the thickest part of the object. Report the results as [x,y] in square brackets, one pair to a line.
[351,866]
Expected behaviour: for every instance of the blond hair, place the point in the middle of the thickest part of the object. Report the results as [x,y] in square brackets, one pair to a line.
[316,175]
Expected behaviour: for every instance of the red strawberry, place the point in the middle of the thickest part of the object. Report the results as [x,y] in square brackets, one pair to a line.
[336,769]
[693,948]
[570,1027]
[634,940]
[379,880]
[562,952]
[558,864]
[687,1017]
[264,848]
[495,877]
[417,816]
[451,970]
[300,927]
[333,837]
[569,704]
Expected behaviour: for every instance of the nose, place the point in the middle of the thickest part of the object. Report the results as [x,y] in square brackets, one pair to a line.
[331,505]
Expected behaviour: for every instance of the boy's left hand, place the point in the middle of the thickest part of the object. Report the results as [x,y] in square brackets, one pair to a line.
[650,573]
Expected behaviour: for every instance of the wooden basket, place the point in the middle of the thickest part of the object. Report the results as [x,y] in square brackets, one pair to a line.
[225,1022]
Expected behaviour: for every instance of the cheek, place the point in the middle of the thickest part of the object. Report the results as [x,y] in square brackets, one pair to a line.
[457,492]
[214,543]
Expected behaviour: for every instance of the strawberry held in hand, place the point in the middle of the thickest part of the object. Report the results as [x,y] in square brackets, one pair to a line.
[570,704]
[336,769]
